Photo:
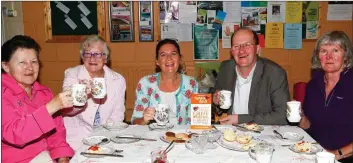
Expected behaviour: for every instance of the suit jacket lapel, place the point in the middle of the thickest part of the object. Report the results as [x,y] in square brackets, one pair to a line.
[232,84]
[255,85]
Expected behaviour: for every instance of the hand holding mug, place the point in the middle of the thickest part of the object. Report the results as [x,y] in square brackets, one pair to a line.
[60,101]
[216,96]
[148,114]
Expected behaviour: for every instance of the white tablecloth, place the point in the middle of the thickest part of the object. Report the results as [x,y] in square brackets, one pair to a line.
[139,152]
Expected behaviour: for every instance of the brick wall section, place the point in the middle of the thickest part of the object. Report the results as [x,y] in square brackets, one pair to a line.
[134,60]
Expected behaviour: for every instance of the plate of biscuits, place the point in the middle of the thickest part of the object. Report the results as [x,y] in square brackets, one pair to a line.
[304,147]
[250,126]
[179,138]
[238,141]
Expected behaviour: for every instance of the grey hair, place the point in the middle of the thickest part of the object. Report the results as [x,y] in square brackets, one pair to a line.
[334,38]
[88,41]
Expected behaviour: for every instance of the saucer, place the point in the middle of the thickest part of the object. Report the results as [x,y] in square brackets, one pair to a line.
[155,126]
[313,149]
[115,126]
[290,136]
[93,140]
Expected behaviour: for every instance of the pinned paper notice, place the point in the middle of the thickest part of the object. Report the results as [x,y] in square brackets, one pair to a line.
[62,7]
[83,8]
[71,23]
[86,22]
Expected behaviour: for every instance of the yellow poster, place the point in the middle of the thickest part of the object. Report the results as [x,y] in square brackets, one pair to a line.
[294,12]
[274,35]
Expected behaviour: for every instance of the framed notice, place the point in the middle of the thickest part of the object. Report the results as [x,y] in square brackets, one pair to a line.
[121,21]
[145,21]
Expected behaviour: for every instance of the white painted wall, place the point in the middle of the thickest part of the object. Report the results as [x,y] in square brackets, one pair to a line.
[11,26]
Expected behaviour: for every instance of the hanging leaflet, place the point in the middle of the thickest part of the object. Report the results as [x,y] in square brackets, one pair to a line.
[86,21]
[69,22]
[62,7]
[83,8]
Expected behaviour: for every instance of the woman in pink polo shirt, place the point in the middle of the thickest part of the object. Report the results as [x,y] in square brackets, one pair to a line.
[29,125]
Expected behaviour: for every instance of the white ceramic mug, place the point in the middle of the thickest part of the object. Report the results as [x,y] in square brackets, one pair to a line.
[162,114]
[79,95]
[325,157]
[99,88]
[225,99]
[293,111]
[262,152]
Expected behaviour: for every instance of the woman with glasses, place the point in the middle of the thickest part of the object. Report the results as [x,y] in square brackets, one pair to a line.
[328,104]
[30,129]
[168,86]
[81,121]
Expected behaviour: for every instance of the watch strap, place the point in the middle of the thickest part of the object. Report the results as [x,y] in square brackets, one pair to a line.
[340,152]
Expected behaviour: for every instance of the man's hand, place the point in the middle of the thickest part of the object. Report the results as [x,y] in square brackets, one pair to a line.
[229,120]
[216,97]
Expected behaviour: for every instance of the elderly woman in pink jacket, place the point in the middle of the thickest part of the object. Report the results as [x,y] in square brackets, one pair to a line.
[29,125]
[81,121]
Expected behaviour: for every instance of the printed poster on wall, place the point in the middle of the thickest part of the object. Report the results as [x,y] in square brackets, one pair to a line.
[254,15]
[276,11]
[312,29]
[274,35]
[292,36]
[205,43]
[310,13]
[294,12]
[228,30]
[169,11]
[121,14]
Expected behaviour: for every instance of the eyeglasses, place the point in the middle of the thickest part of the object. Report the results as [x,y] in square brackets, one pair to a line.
[95,55]
[245,46]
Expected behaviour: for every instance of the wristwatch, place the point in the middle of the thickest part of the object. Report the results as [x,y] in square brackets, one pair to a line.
[340,153]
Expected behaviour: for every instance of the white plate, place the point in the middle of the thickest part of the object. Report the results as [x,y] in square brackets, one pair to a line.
[313,150]
[124,140]
[155,126]
[237,146]
[261,128]
[290,136]
[105,150]
[116,126]
[93,140]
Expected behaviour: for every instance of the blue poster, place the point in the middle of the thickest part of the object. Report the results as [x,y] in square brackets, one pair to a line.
[292,36]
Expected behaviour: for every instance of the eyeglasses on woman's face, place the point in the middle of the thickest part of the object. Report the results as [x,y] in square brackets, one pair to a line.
[94,55]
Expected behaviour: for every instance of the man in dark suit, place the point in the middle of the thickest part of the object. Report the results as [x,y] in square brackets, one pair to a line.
[259,86]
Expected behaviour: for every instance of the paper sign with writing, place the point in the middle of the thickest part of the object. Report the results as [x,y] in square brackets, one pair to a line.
[201,109]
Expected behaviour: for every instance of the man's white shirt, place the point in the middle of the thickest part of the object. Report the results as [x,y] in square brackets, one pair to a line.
[242,92]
